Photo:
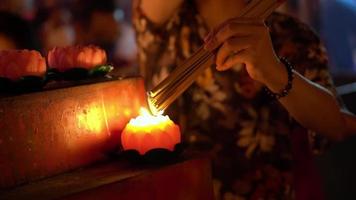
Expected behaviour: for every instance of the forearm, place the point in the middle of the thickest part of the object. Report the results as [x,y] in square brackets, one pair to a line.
[311,105]
[159,11]
[249,42]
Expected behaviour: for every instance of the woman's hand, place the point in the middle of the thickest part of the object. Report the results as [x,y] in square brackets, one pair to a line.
[246,41]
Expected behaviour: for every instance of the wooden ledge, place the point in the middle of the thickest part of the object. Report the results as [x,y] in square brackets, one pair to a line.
[119,179]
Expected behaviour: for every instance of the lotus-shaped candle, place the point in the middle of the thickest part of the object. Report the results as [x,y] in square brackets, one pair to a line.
[65,58]
[15,64]
[147,132]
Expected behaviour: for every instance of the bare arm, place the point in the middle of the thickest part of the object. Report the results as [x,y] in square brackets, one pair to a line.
[159,11]
[314,107]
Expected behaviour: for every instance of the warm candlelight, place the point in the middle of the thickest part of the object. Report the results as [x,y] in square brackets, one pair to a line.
[147,132]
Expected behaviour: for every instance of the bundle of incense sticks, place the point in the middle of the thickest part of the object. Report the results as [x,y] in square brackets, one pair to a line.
[184,75]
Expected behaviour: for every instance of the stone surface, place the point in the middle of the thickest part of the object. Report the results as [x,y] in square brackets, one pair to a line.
[49,132]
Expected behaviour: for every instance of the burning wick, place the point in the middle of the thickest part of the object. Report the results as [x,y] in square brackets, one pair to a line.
[147,132]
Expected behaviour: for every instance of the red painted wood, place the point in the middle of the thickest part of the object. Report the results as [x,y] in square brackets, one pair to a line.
[188,180]
[49,132]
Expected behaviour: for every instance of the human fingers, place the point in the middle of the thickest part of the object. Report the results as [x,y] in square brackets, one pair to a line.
[213,32]
[236,27]
[232,46]
[243,56]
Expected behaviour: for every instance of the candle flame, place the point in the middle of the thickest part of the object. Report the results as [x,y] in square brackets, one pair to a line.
[148,122]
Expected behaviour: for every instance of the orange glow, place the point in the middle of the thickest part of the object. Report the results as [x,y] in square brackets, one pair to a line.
[147,132]
[154,110]
[147,122]
[91,120]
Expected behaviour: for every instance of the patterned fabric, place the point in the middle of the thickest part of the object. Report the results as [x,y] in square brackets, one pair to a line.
[227,113]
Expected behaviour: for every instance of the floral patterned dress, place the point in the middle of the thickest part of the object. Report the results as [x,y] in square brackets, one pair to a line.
[227,113]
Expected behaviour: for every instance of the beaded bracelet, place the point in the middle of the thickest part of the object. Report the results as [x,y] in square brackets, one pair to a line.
[288,87]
